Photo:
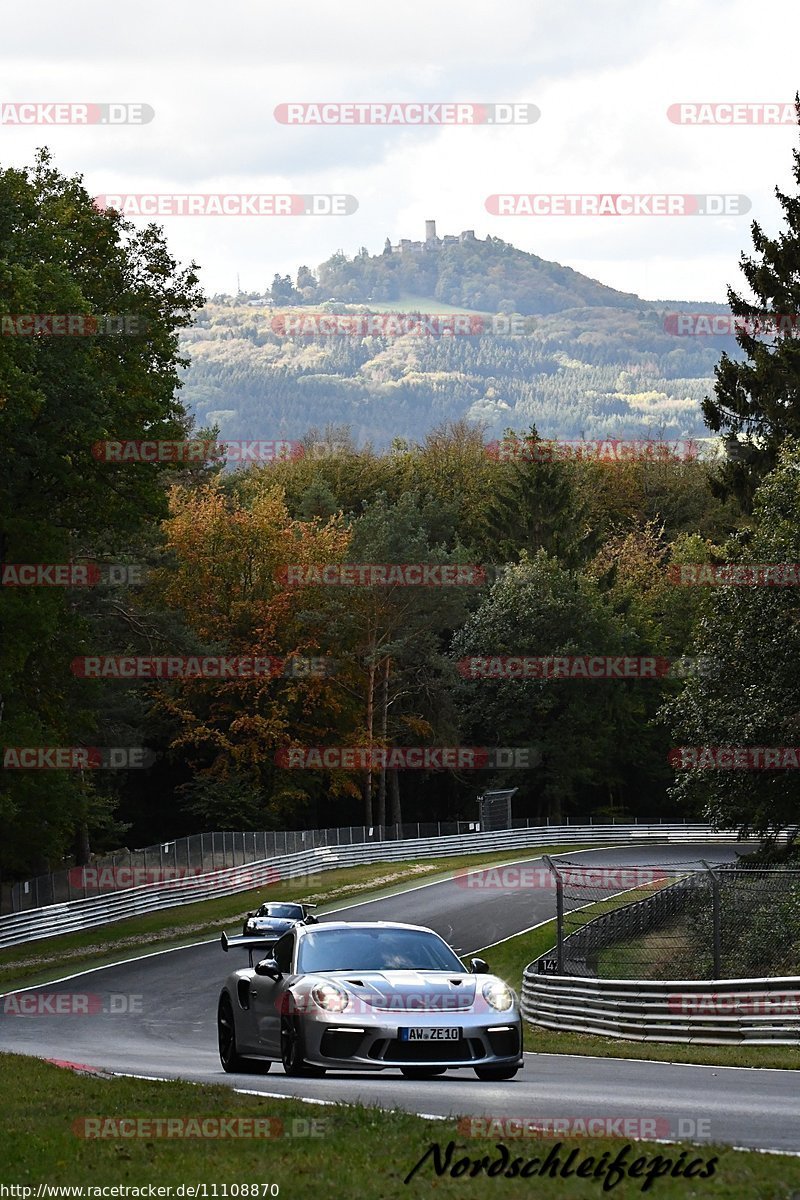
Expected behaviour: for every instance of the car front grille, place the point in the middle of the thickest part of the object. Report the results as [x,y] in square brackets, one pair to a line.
[393,1050]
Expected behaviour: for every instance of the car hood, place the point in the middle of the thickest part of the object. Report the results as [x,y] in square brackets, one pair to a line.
[407,991]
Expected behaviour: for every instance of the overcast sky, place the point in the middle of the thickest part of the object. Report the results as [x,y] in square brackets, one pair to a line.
[603,76]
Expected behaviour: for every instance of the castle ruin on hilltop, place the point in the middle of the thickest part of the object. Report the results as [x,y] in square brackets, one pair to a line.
[431,242]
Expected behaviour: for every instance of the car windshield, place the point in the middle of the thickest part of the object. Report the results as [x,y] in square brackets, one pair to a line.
[291,911]
[375,950]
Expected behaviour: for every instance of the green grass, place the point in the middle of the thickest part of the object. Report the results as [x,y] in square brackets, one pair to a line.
[662,953]
[509,959]
[403,304]
[42,960]
[357,1151]
[422,304]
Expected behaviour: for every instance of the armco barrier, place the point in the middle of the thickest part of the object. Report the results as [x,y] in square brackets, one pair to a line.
[75,915]
[709,1012]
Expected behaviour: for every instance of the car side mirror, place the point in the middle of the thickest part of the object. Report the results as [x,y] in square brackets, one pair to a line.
[269,967]
[479,966]
[251,914]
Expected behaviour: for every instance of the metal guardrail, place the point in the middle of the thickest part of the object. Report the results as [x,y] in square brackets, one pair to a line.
[201,853]
[711,1012]
[75,915]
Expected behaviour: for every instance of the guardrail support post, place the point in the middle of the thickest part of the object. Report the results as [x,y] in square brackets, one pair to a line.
[716,920]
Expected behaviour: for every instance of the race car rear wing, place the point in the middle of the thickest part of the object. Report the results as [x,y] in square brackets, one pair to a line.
[250,944]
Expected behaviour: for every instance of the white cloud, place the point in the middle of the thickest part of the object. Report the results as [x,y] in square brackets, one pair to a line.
[602,77]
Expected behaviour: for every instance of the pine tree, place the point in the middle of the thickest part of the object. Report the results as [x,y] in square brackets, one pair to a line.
[756,402]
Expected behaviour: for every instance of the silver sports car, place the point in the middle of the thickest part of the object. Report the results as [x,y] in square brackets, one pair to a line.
[366,996]
[275,917]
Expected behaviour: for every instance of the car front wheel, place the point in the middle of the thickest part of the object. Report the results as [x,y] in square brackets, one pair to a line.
[293,1049]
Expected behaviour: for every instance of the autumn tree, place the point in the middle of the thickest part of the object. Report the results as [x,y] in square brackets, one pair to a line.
[228,581]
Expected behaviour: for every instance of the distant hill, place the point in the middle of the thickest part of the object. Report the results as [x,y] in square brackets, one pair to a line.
[592,361]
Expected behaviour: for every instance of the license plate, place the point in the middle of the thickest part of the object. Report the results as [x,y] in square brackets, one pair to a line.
[424,1033]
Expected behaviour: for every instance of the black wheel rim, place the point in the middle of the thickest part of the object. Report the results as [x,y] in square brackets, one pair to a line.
[289,1038]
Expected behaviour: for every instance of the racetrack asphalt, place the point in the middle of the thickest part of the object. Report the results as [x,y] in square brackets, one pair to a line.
[155,1016]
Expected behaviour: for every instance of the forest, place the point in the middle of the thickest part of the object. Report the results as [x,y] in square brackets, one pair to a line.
[349,589]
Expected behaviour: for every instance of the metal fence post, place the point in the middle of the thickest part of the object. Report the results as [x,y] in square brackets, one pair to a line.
[559,915]
[716,920]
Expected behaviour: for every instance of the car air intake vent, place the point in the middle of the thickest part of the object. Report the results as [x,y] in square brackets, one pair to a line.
[356,982]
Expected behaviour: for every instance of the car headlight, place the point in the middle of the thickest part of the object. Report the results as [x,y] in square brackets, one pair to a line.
[330,998]
[497,994]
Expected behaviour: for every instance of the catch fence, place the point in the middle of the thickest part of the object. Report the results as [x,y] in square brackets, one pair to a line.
[685,921]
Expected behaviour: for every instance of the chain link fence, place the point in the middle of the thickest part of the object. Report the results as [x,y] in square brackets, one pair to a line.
[198,854]
[690,921]
[201,853]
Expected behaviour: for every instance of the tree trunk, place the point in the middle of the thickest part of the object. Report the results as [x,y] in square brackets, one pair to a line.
[394,796]
[384,703]
[83,851]
[367,783]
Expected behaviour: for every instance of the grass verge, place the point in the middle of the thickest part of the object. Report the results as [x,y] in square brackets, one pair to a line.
[40,961]
[356,1151]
